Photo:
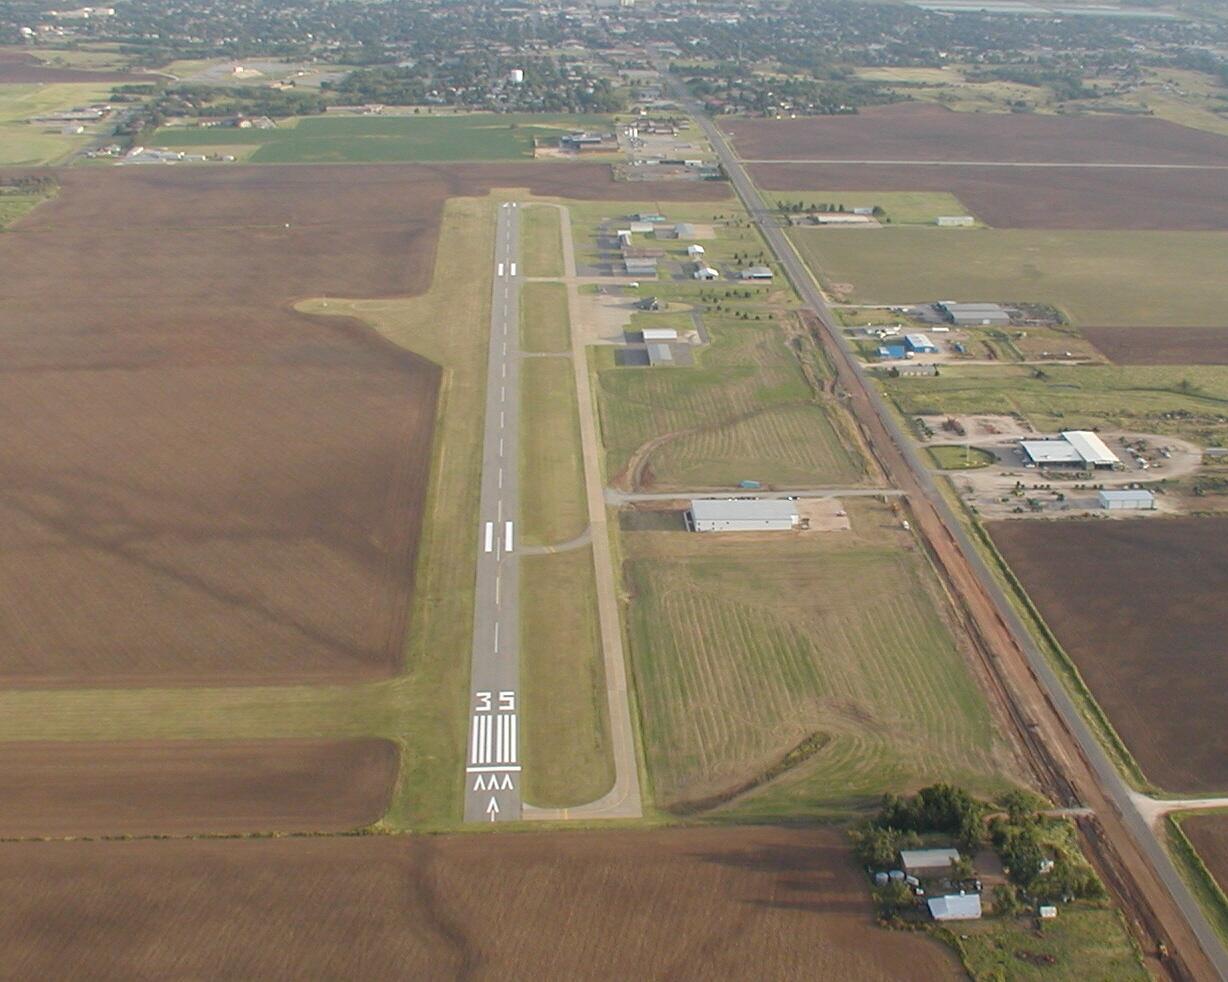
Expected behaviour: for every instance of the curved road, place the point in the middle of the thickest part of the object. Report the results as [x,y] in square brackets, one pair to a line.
[1110,781]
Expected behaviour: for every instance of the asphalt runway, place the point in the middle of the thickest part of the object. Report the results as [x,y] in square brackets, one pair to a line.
[492,771]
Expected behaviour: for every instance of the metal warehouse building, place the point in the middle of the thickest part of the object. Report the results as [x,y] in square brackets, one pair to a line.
[1128,500]
[743,515]
[1073,448]
[974,313]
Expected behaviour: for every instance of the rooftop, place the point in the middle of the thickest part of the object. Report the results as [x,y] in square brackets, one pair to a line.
[956,907]
[743,509]
[914,859]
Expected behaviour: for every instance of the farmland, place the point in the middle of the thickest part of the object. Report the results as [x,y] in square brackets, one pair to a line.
[54,790]
[1150,654]
[751,651]
[745,410]
[769,903]
[21,68]
[1200,840]
[1162,345]
[899,207]
[1031,197]
[382,139]
[1106,278]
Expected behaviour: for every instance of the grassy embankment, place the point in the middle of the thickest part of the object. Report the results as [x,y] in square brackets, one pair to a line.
[541,242]
[824,660]
[424,709]
[1212,894]
[1103,278]
[566,730]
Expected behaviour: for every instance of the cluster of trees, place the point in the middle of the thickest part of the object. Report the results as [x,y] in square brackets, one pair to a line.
[1066,83]
[1019,839]
[901,822]
[822,208]
[731,87]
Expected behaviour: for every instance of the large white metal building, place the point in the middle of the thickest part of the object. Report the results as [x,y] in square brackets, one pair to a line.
[743,515]
[1072,448]
[1128,499]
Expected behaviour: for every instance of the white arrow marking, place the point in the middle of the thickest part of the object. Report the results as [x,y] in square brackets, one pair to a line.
[490,536]
[507,783]
[492,809]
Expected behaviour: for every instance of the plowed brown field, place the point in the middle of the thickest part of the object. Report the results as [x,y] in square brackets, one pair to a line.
[1209,836]
[678,904]
[201,485]
[1138,606]
[1034,197]
[1161,345]
[72,789]
[23,68]
[919,131]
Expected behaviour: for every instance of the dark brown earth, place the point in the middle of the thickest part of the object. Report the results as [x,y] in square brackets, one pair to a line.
[1161,345]
[1035,197]
[76,789]
[1138,606]
[23,68]
[1209,836]
[923,131]
[677,904]
[201,485]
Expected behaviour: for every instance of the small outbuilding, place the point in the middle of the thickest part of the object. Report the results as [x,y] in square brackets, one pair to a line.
[694,251]
[891,352]
[743,515]
[706,273]
[955,221]
[640,265]
[757,273]
[660,334]
[1128,499]
[956,907]
[928,860]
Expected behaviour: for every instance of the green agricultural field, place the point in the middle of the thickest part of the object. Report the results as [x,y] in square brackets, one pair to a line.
[1103,278]
[552,503]
[1186,400]
[953,458]
[541,241]
[899,207]
[17,202]
[32,144]
[745,411]
[543,318]
[383,139]
[823,661]
[565,713]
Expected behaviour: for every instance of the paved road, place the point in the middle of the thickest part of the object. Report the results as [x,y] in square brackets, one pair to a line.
[1092,165]
[1107,775]
[492,773]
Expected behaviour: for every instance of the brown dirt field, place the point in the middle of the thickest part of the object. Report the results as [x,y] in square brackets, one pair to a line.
[200,484]
[180,788]
[23,68]
[1161,345]
[677,904]
[1035,197]
[1138,606]
[1209,836]
[918,131]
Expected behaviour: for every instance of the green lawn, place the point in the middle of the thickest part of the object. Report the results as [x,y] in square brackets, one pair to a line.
[566,729]
[382,139]
[1102,278]
[15,203]
[544,324]
[837,643]
[744,411]
[899,207]
[1085,942]
[552,503]
[1185,400]
[541,241]
[953,458]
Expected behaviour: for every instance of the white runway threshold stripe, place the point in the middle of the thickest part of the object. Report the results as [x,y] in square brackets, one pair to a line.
[490,536]
[492,743]
[500,269]
[507,537]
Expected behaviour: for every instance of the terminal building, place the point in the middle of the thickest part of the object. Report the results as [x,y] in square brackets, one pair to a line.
[1080,449]
[743,515]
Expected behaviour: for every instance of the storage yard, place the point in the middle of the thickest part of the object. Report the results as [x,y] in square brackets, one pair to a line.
[1136,607]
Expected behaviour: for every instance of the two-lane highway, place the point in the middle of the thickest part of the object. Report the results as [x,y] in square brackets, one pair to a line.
[492,771]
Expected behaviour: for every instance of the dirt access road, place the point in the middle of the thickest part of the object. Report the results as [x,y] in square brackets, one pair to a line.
[1070,763]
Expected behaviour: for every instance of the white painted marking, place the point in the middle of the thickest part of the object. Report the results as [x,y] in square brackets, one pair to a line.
[503,393]
[513,768]
[473,749]
[500,269]
[501,419]
[507,536]
[500,446]
[513,270]
[504,349]
[504,366]
[500,739]
[512,756]
[500,478]
[497,583]
[487,756]
[490,536]
[492,809]
[496,649]
[513,204]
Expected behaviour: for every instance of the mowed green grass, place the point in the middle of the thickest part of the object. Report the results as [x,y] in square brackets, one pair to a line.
[541,241]
[1103,278]
[552,503]
[901,207]
[15,204]
[563,706]
[954,458]
[31,144]
[745,647]
[544,325]
[744,411]
[1184,400]
[385,139]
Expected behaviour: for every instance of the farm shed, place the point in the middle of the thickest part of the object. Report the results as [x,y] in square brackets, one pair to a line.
[757,273]
[1128,499]
[974,313]
[913,370]
[842,218]
[928,860]
[743,515]
[640,265]
[706,273]
[956,907]
[694,251]
[1073,448]
[955,221]
[660,334]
